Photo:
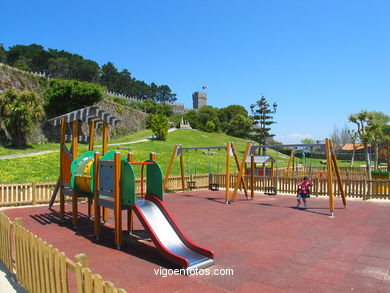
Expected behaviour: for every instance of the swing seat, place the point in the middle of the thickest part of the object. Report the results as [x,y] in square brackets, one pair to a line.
[191,185]
[214,186]
[270,190]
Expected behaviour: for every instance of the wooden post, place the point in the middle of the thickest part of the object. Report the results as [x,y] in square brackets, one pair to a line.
[365,189]
[91,134]
[105,137]
[104,150]
[34,193]
[117,200]
[388,155]
[253,166]
[290,162]
[183,186]
[62,144]
[75,125]
[241,170]
[96,173]
[330,177]
[82,259]
[166,178]
[339,179]
[242,179]
[130,212]
[227,174]
[153,156]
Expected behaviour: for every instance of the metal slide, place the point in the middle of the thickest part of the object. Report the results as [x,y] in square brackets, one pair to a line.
[168,237]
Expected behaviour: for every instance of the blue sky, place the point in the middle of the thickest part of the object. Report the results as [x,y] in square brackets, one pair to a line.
[320,60]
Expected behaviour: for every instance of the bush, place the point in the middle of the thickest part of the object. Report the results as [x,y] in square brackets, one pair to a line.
[19,112]
[159,125]
[381,173]
[210,126]
[63,96]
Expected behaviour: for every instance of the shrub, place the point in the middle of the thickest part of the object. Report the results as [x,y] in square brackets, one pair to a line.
[210,126]
[381,173]
[19,112]
[63,96]
[159,125]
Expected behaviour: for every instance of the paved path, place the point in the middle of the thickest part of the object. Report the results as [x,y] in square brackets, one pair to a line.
[8,282]
[7,157]
[270,245]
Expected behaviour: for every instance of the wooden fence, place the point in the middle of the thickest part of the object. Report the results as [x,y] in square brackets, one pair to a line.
[40,193]
[39,267]
[354,188]
[319,171]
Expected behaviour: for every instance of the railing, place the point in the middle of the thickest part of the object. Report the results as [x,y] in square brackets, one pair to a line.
[40,193]
[354,188]
[39,267]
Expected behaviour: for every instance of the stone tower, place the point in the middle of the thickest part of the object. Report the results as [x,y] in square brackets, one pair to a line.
[199,100]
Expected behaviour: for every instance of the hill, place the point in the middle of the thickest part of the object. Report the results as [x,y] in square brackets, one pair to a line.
[44,168]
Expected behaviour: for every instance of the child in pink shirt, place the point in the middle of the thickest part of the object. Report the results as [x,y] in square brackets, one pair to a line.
[303,191]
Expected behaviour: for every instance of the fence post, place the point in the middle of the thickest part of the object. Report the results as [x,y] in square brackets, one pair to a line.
[17,261]
[34,193]
[82,259]
[365,189]
[316,187]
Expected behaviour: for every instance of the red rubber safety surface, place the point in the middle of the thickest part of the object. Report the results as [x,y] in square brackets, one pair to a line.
[270,245]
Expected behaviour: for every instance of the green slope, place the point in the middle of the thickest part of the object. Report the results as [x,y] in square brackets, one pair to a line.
[45,168]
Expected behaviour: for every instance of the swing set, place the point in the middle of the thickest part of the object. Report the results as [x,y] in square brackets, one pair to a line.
[332,167]
[230,152]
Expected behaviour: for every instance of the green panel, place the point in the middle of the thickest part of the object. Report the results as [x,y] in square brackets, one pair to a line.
[127,184]
[73,169]
[108,156]
[154,180]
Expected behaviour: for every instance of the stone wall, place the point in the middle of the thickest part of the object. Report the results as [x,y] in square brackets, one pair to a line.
[14,78]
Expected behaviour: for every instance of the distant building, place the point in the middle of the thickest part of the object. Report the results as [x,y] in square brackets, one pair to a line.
[199,100]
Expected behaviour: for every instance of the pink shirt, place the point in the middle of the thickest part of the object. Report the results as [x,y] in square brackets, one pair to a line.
[304,186]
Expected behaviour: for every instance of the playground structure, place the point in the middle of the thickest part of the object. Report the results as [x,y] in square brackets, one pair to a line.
[230,152]
[332,168]
[262,170]
[108,182]
[95,117]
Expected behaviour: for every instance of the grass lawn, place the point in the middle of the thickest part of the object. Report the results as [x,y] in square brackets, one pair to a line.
[33,148]
[46,167]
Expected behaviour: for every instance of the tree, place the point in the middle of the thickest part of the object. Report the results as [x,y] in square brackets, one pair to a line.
[36,54]
[262,120]
[164,94]
[353,137]
[210,126]
[363,122]
[59,67]
[208,113]
[340,136]
[307,141]
[3,54]
[239,126]
[19,112]
[63,96]
[377,138]
[192,118]
[227,114]
[159,125]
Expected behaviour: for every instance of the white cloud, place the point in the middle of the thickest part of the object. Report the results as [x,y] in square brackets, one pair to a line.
[292,137]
